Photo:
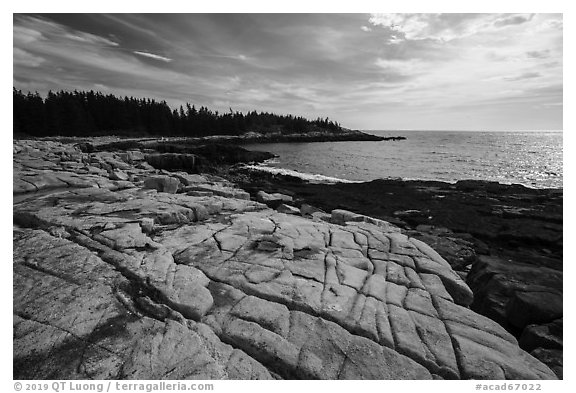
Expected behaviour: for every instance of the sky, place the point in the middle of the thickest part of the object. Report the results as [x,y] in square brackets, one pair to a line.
[366,71]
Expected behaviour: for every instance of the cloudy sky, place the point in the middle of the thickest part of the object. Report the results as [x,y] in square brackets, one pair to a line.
[379,71]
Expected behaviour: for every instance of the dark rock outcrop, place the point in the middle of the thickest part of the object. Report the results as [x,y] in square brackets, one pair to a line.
[184,156]
[548,336]
[553,358]
[174,161]
[526,299]
[516,295]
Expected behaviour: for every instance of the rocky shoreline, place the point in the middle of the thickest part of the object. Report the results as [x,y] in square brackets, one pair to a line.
[342,135]
[127,271]
[506,241]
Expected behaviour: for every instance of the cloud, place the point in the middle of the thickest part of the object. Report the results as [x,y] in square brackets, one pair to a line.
[25,35]
[362,70]
[23,58]
[28,29]
[124,20]
[75,60]
[446,27]
[523,76]
[409,67]
[89,39]
[513,20]
[538,54]
[152,56]
[411,27]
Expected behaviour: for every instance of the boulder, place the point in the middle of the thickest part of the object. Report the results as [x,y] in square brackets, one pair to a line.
[216,189]
[553,358]
[532,307]
[514,294]
[162,183]
[147,224]
[287,209]
[188,179]
[343,216]
[308,210]
[118,175]
[321,216]
[272,200]
[542,336]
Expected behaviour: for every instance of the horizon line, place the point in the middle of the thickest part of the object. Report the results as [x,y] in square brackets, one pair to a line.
[460,130]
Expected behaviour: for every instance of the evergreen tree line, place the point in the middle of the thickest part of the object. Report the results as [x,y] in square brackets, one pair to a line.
[82,113]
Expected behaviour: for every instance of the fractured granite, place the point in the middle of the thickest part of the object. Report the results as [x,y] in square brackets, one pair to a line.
[119,281]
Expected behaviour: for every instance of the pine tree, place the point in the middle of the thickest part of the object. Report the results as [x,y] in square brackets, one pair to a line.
[80,113]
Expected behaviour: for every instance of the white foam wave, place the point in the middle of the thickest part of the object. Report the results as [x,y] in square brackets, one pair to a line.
[310,177]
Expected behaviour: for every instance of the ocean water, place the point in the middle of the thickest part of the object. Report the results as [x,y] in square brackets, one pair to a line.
[530,158]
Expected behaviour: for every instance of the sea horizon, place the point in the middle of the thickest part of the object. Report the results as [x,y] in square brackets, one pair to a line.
[440,130]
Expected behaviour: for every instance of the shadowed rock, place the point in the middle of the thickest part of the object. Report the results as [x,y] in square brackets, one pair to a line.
[514,294]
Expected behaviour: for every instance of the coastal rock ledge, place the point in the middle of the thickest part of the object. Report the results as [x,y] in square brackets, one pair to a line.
[113,280]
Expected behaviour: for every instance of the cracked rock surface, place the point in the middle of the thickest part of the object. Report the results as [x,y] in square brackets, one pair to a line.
[113,279]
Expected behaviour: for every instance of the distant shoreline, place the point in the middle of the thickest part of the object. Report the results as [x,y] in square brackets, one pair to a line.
[247,138]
